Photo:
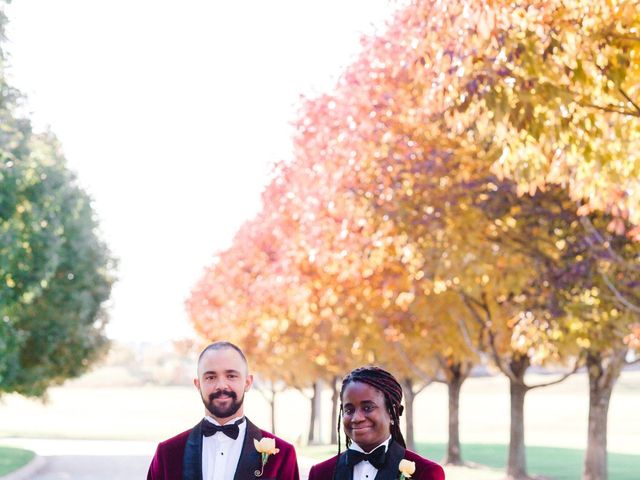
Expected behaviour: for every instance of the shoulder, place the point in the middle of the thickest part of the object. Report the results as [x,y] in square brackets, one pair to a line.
[429,470]
[176,442]
[326,466]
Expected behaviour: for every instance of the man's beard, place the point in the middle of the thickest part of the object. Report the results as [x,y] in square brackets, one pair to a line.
[223,412]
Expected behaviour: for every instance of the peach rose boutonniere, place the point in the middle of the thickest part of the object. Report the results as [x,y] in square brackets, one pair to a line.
[407,468]
[265,446]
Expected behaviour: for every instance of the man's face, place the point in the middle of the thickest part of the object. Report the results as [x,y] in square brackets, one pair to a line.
[222,382]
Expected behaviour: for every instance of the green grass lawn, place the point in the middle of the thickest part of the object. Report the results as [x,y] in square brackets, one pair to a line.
[13,458]
[556,463]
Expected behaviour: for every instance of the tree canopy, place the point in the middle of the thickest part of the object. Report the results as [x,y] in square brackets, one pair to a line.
[470,185]
[55,271]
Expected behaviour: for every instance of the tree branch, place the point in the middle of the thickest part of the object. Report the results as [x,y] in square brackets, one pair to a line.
[467,337]
[629,99]
[619,296]
[610,109]
[419,390]
[492,338]
[631,38]
[426,378]
[588,225]
[468,301]
[561,379]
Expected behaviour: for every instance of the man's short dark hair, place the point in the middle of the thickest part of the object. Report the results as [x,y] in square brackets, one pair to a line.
[221,346]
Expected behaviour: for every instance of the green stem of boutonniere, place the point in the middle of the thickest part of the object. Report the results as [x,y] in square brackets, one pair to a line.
[402,477]
[258,473]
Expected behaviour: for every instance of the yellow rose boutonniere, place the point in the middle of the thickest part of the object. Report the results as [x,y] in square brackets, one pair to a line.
[407,468]
[265,446]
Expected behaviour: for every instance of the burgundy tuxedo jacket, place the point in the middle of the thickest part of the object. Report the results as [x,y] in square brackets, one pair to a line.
[425,469]
[180,458]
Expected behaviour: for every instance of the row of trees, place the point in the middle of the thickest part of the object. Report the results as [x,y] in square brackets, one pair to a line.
[468,191]
[55,271]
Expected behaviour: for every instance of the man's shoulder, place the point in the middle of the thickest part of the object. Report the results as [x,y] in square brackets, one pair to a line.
[176,441]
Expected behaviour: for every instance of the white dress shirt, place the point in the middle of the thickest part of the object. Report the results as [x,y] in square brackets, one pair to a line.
[364,470]
[220,453]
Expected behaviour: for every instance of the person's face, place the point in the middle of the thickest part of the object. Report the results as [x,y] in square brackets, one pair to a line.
[365,418]
[222,382]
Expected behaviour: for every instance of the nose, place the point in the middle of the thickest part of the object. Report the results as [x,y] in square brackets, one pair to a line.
[357,416]
[219,384]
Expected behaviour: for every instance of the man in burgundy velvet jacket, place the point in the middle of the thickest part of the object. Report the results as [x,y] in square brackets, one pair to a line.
[224,445]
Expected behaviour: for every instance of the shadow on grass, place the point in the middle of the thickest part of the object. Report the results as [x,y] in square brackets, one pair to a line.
[557,463]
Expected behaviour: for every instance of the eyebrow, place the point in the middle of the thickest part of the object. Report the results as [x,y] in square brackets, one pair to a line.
[367,402]
[211,372]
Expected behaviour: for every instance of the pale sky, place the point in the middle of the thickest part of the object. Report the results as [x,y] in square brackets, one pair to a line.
[171,114]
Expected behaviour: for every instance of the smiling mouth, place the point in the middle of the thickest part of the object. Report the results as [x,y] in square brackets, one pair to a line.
[354,429]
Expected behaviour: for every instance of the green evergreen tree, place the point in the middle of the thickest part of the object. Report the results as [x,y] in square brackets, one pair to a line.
[55,271]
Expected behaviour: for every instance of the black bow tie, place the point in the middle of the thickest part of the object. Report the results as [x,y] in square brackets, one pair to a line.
[231,430]
[375,457]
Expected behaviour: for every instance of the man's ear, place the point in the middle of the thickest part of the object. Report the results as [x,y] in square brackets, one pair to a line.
[196,383]
[248,383]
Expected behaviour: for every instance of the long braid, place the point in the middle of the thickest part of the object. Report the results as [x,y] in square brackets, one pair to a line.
[339,422]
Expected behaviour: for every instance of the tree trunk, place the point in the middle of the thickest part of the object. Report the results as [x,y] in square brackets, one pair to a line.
[409,398]
[335,398]
[273,411]
[603,373]
[312,417]
[269,394]
[516,464]
[455,374]
[315,431]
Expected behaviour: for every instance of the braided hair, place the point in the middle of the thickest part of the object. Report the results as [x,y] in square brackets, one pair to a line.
[386,383]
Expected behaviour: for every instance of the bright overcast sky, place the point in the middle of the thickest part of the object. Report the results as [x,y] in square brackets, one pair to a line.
[172,113]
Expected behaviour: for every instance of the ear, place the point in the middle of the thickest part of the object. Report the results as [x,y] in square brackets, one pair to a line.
[248,383]
[196,383]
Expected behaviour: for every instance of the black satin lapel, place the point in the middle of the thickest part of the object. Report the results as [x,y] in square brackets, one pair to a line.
[250,460]
[390,471]
[192,458]
[343,472]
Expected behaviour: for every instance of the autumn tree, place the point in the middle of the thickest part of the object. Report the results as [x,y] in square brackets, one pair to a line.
[386,216]
[538,92]
[554,89]
[267,294]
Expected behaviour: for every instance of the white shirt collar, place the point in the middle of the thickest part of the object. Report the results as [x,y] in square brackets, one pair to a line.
[215,422]
[358,448]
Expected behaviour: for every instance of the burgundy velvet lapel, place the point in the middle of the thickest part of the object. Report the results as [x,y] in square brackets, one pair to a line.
[192,457]
[390,471]
[250,460]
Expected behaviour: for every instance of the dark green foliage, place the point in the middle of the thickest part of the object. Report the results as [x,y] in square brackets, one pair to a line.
[55,272]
